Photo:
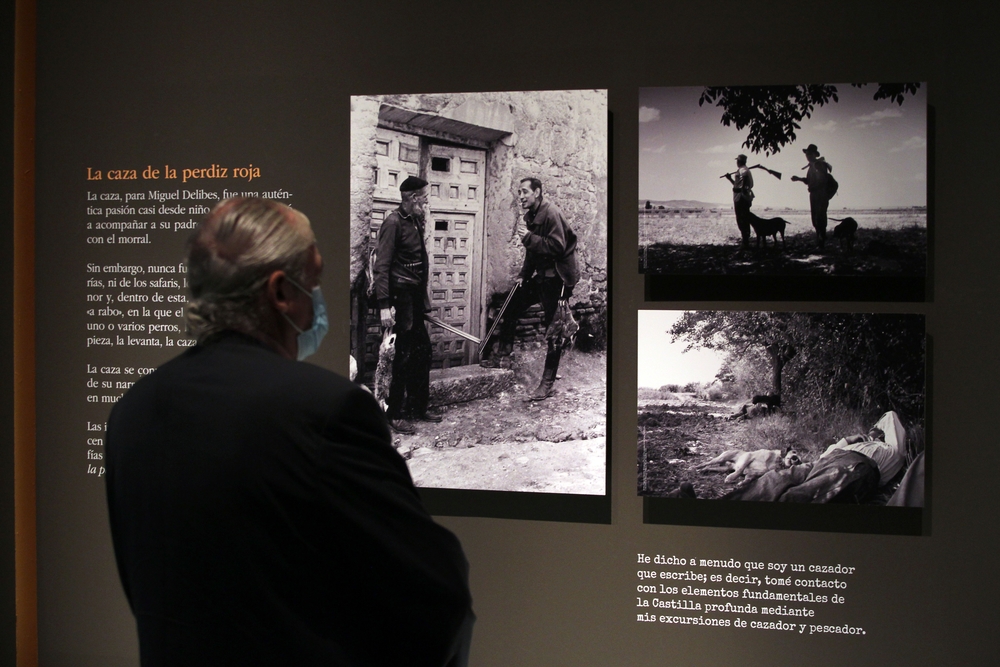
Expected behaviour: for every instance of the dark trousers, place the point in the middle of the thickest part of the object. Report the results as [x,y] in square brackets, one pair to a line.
[818,204]
[548,291]
[545,290]
[742,207]
[411,367]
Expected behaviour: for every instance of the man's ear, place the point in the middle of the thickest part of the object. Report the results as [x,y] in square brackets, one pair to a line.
[279,291]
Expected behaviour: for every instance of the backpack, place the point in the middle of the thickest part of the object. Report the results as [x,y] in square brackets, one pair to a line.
[831,186]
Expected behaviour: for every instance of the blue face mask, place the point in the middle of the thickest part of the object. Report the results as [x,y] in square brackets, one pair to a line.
[309,339]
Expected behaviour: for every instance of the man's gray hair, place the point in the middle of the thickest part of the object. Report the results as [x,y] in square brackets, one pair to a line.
[230,257]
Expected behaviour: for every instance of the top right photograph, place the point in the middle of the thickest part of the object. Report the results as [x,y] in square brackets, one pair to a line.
[811,180]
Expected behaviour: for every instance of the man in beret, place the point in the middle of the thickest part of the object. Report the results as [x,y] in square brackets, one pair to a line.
[400,271]
[548,275]
[817,180]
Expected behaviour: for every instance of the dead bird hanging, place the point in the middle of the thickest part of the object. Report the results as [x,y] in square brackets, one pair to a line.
[383,372]
[564,327]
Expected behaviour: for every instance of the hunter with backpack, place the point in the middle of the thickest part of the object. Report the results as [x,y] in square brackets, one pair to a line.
[822,187]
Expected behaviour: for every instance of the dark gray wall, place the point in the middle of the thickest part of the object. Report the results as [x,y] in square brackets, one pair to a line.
[269,82]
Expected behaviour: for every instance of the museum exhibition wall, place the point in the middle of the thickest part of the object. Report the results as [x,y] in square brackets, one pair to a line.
[693,492]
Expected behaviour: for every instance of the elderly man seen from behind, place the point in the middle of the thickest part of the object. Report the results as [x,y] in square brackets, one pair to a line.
[259,513]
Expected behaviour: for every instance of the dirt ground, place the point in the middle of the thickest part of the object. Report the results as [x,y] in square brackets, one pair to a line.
[507,443]
[676,435]
[876,252]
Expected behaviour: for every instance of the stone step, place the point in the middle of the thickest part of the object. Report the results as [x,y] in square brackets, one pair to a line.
[468,383]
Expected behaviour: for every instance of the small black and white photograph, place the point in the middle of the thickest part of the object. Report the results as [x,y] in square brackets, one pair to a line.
[819,180]
[790,407]
[479,284]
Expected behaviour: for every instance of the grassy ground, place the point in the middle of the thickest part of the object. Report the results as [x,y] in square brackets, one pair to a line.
[676,435]
[891,244]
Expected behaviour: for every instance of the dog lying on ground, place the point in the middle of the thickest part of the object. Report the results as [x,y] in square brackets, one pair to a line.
[764,227]
[751,464]
[845,231]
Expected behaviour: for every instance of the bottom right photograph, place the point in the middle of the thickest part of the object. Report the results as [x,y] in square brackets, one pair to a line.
[788,407]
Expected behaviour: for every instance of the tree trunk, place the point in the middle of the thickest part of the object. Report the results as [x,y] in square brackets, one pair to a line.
[780,354]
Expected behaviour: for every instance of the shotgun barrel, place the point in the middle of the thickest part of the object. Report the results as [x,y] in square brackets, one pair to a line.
[496,320]
[455,330]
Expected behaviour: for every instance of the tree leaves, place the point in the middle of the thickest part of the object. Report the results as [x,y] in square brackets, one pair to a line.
[773,113]
[859,361]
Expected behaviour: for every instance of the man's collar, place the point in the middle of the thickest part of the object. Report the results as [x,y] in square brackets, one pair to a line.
[537,207]
[403,214]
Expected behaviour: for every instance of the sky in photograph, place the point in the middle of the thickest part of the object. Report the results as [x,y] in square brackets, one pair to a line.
[878,151]
[663,362]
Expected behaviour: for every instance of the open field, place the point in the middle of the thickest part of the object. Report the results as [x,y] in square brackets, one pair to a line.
[890,242]
[678,434]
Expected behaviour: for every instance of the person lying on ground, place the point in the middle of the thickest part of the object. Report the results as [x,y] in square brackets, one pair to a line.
[885,444]
[850,471]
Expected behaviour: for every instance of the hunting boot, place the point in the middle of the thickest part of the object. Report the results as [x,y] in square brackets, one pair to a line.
[544,389]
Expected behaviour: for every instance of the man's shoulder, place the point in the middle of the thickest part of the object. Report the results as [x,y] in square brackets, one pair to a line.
[548,210]
[237,361]
[391,221]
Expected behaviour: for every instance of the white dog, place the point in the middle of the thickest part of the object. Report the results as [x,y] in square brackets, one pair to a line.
[751,464]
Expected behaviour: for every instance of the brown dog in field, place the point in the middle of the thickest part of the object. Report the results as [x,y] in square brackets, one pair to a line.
[751,464]
[764,227]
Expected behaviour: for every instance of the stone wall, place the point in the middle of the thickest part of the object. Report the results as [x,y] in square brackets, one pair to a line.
[364,120]
[561,140]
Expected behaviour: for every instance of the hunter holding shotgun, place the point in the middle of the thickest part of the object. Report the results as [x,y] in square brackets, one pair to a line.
[742,181]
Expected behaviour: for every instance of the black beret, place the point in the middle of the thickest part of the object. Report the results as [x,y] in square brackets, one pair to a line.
[412,183]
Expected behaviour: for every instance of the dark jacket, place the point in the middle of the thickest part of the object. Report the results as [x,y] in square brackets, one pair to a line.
[400,258]
[260,516]
[818,176]
[550,245]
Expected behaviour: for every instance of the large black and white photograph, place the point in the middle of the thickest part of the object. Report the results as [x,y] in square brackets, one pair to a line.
[790,407]
[479,284]
[824,180]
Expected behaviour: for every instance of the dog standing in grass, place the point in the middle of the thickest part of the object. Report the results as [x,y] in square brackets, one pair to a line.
[845,231]
[764,227]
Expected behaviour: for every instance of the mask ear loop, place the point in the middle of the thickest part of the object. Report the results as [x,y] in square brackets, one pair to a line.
[304,291]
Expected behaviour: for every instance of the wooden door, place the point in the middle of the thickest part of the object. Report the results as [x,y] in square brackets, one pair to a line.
[456,186]
[456,179]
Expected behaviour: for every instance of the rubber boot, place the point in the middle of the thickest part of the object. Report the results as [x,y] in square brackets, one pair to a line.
[544,389]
